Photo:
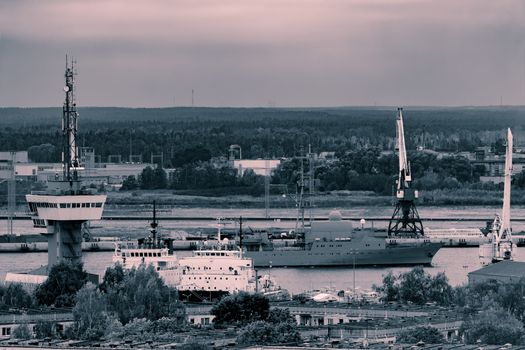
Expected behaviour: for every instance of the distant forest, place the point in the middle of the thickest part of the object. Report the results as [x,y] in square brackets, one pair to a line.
[179,133]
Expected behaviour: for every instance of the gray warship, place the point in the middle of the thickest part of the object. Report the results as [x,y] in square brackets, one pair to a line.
[337,243]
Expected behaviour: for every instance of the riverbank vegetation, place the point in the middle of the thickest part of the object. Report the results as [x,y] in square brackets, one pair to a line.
[183,134]
[194,144]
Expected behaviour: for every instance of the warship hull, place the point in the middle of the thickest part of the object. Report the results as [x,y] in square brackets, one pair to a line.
[394,255]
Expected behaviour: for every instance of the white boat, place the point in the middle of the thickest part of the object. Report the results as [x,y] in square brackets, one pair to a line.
[215,271]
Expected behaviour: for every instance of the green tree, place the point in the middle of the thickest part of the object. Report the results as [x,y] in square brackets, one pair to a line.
[413,286]
[511,297]
[425,334]
[44,153]
[112,278]
[389,289]
[141,293]
[416,286]
[89,313]
[241,308]
[22,331]
[147,178]
[45,329]
[15,296]
[265,333]
[64,281]
[160,179]
[130,183]
[493,326]
[439,290]
[191,155]
[278,315]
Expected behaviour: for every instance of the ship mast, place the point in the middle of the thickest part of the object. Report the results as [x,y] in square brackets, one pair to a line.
[304,199]
[69,128]
[154,224]
[405,221]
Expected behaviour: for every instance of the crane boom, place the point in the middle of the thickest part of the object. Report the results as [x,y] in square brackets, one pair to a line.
[505,212]
[404,171]
[501,245]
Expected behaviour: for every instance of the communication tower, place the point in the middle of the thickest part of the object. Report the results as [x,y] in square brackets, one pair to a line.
[65,206]
[405,221]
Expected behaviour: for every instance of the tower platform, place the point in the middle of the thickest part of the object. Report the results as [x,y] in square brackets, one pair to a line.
[62,215]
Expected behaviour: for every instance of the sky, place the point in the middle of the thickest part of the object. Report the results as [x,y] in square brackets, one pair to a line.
[267,53]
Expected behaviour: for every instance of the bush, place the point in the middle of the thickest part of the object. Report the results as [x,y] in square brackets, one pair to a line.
[241,308]
[45,329]
[416,286]
[493,326]
[265,333]
[425,334]
[22,332]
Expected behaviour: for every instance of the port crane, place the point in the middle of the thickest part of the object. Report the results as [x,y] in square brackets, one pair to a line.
[405,220]
[500,246]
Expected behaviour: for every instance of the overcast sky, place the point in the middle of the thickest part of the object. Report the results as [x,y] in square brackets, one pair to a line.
[264,52]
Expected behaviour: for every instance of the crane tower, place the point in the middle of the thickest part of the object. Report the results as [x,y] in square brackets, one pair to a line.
[405,221]
[500,246]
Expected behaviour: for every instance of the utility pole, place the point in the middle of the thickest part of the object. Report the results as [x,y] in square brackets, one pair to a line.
[11,195]
[267,187]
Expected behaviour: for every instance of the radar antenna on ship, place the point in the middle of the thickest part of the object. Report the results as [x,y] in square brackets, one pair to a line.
[405,221]
[500,246]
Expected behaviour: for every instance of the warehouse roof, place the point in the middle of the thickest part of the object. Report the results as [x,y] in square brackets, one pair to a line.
[503,268]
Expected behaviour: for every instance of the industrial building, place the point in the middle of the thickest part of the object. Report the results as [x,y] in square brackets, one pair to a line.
[504,271]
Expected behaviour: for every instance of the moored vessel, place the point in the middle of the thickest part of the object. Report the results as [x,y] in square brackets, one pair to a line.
[337,243]
[214,271]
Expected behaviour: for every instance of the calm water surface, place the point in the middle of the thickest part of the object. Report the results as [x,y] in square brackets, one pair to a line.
[455,262]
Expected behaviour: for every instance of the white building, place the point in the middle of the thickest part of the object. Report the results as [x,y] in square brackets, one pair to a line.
[259,166]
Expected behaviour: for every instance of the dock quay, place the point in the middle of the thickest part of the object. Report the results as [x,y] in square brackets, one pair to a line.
[272,218]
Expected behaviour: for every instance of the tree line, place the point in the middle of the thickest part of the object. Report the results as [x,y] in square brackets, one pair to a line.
[260,132]
[364,170]
[493,312]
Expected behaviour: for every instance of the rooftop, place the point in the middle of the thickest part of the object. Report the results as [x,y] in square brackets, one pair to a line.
[503,268]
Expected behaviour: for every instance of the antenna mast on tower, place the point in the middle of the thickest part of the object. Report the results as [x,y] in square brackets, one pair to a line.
[69,127]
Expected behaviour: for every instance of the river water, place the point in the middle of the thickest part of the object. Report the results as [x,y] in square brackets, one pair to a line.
[455,262]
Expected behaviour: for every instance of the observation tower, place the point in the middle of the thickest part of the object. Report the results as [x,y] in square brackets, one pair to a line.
[65,206]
